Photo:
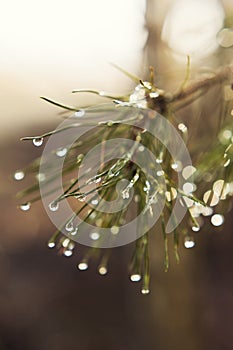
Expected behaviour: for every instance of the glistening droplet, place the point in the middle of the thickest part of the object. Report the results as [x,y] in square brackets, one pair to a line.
[135,277]
[82,266]
[217,219]
[19,175]
[94,236]
[79,113]
[61,152]
[189,242]
[25,206]
[53,206]
[69,226]
[145,291]
[103,270]
[68,253]
[37,141]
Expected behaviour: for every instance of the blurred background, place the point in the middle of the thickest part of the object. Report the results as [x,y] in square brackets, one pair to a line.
[50,48]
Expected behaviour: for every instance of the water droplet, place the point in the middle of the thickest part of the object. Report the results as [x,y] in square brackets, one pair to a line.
[94,202]
[61,152]
[115,230]
[69,226]
[145,291]
[53,206]
[66,242]
[217,219]
[74,231]
[71,245]
[81,197]
[82,266]
[103,270]
[196,228]
[141,148]
[79,113]
[19,175]
[177,166]
[182,127]
[135,277]
[25,206]
[94,236]
[38,141]
[189,242]
[227,163]
[68,253]
[51,244]
[159,160]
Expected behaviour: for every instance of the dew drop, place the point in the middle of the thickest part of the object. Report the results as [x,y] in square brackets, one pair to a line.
[94,236]
[69,226]
[196,228]
[135,277]
[66,242]
[227,163]
[79,113]
[53,206]
[51,244]
[141,148]
[61,152]
[189,242]
[38,141]
[94,202]
[177,166]
[68,253]
[145,291]
[81,197]
[103,270]
[182,127]
[19,175]
[25,206]
[71,245]
[82,266]
[217,219]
